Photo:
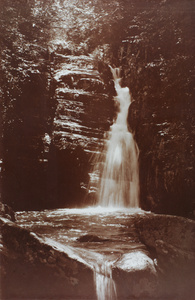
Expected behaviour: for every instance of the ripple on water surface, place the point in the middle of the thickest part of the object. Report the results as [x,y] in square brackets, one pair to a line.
[96,236]
[112,229]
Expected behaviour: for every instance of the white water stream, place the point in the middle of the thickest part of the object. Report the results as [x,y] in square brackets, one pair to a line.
[105,285]
[119,186]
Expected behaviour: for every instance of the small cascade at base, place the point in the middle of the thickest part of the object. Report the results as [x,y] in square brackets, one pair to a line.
[119,185]
[105,285]
[99,243]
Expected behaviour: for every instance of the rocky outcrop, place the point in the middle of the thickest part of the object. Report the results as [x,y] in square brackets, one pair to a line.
[156,56]
[171,242]
[165,268]
[88,238]
[33,268]
[83,104]
[171,229]
[83,114]
[136,276]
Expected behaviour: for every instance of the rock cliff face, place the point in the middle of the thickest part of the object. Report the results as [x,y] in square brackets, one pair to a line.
[82,104]
[157,61]
[84,111]
[57,97]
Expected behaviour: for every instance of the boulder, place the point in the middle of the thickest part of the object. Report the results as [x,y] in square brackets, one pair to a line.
[135,275]
[171,242]
[91,238]
[171,230]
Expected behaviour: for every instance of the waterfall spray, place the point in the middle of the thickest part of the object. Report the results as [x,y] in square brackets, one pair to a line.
[119,184]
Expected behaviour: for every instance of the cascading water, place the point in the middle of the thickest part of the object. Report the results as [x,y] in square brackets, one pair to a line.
[105,285]
[119,185]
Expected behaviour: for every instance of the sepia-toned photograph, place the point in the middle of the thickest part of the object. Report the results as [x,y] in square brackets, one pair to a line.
[97,150]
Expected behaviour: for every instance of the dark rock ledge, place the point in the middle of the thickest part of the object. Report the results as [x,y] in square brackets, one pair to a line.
[170,241]
[31,268]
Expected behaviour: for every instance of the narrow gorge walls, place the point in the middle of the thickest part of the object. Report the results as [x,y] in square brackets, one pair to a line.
[57,91]
[158,59]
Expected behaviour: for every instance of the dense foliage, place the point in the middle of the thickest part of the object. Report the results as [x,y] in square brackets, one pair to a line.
[27,102]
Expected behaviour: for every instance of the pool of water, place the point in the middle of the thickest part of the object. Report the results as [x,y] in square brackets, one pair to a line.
[96,236]
[105,230]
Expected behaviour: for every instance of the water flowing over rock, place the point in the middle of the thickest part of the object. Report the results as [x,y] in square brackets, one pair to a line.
[140,265]
[119,185]
[105,285]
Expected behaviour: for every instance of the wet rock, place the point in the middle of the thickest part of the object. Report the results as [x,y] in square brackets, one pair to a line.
[135,275]
[94,85]
[91,238]
[171,242]
[34,268]
[176,231]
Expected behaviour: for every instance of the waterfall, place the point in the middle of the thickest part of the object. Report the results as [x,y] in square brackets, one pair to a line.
[119,184]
